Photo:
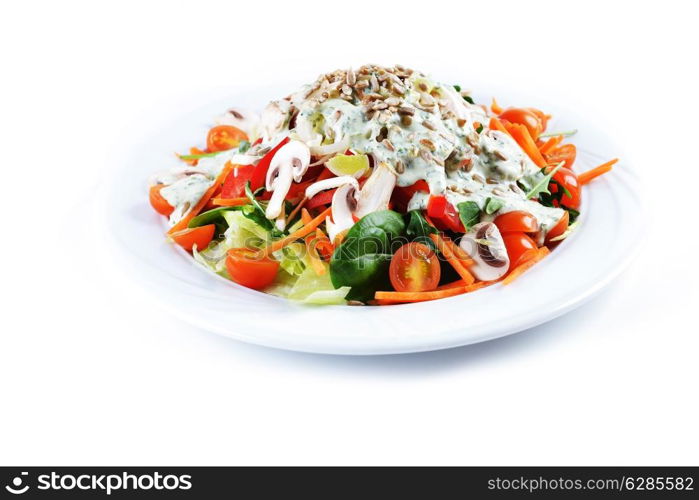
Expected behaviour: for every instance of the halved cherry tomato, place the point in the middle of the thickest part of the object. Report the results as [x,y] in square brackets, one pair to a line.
[559,228]
[322,198]
[260,173]
[200,236]
[524,117]
[234,185]
[159,203]
[569,180]
[246,268]
[224,137]
[566,153]
[516,221]
[543,117]
[444,214]
[517,245]
[414,268]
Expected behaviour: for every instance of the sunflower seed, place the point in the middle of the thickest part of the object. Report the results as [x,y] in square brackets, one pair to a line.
[399,167]
[405,120]
[498,191]
[478,178]
[404,110]
[351,77]
[500,155]
[388,145]
[428,144]
[346,89]
[491,180]
[428,124]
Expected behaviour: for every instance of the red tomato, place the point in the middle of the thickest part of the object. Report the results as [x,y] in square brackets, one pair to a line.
[516,221]
[224,137]
[159,203]
[260,173]
[414,268]
[200,236]
[444,214]
[566,153]
[234,185]
[568,180]
[543,117]
[524,117]
[517,244]
[247,269]
[559,228]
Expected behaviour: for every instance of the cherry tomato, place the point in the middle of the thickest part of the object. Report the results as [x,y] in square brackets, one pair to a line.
[559,228]
[517,245]
[543,117]
[524,117]
[224,137]
[159,203]
[444,214]
[516,221]
[247,269]
[568,180]
[200,236]
[566,153]
[234,185]
[414,268]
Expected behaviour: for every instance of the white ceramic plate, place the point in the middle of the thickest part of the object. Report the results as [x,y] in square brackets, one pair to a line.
[581,266]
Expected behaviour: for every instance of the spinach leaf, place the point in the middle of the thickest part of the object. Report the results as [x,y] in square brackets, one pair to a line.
[468,99]
[492,205]
[572,214]
[363,258]
[213,216]
[418,229]
[542,185]
[256,213]
[243,146]
[469,213]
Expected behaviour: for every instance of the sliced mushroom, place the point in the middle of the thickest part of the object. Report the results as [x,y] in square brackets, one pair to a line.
[289,163]
[376,192]
[330,183]
[344,205]
[344,202]
[485,246]
[243,119]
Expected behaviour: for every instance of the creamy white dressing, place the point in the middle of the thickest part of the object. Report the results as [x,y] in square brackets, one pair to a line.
[418,128]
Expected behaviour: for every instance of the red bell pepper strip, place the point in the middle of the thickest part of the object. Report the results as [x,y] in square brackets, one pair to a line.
[260,173]
[444,214]
[324,198]
[234,185]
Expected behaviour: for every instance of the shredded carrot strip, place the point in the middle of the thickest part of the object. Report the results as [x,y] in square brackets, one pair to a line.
[496,124]
[453,284]
[230,202]
[522,268]
[551,143]
[194,211]
[418,296]
[459,253]
[495,107]
[305,230]
[323,244]
[520,133]
[455,262]
[296,209]
[586,177]
[478,286]
[316,263]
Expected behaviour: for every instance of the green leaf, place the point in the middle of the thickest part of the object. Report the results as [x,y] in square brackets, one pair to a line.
[566,133]
[458,88]
[469,213]
[572,214]
[363,258]
[199,156]
[542,186]
[214,216]
[418,229]
[256,213]
[468,99]
[243,146]
[479,129]
[492,205]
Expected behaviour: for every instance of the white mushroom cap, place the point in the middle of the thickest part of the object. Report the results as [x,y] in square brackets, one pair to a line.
[485,246]
[289,163]
[343,206]
[243,119]
[330,183]
[376,192]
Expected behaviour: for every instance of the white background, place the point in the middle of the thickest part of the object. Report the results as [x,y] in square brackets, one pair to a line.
[93,373]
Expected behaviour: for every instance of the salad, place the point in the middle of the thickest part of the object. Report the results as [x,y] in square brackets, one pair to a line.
[374,186]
